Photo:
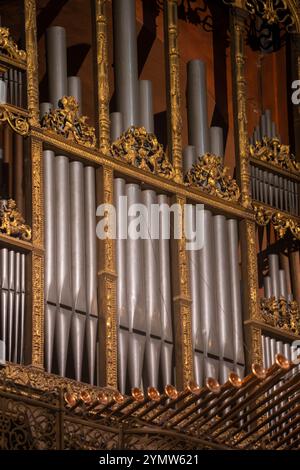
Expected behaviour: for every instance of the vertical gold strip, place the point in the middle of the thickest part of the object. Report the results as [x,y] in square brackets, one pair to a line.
[102,72]
[32,62]
[238,31]
[182,308]
[173,86]
[37,264]
[107,290]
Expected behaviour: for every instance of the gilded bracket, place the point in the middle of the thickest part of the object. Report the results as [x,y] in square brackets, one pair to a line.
[273,152]
[281,313]
[10,47]
[282,223]
[142,150]
[66,121]
[18,122]
[209,174]
[11,221]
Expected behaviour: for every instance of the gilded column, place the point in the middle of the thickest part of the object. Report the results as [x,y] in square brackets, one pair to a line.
[37,261]
[238,31]
[107,290]
[182,308]
[173,86]
[102,73]
[32,62]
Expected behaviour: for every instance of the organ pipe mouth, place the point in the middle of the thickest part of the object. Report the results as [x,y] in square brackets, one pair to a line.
[70,398]
[193,387]
[235,380]
[137,394]
[213,385]
[118,397]
[153,393]
[282,361]
[259,371]
[171,392]
[85,396]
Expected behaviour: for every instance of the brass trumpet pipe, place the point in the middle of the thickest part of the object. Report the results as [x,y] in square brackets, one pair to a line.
[169,405]
[296,432]
[154,405]
[189,402]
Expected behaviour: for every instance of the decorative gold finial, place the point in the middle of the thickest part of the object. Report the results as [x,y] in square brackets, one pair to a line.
[66,121]
[209,174]
[141,149]
[11,221]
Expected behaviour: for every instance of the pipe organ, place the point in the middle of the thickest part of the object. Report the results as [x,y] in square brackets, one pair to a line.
[140,312]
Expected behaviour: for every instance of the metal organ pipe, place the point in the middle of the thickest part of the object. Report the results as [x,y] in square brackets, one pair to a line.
[74,89]
[56,63]
[45,108]
[197,107]
[146,118]
[232,226]
[189,157]
[274,274]
[125,59]
[116,126]
[216,141]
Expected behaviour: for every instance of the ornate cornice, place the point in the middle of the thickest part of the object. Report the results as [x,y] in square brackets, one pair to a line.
[282,222]
[66,121]
[10,47]
[17,121]
[281,313]
[12,222]
[142,150]
[209,174]
[273,152]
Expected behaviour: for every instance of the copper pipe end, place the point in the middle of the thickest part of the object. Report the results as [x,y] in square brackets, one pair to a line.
[70,398]
[137,394]
[118,397]
[282,361]
[259,371]
[193,387]
[153,393]
[85,396]
[212,385]
[171,392]
[102,397]
[235,380]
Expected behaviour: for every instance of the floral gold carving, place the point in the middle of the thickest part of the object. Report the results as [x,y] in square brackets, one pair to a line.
[18,122]
[10,47]
[37,357]
[32,62]
[11,221]
[66,121]
[257,355]
[282,223]
[209,174]
[281,313]
[272,151]
[142,150]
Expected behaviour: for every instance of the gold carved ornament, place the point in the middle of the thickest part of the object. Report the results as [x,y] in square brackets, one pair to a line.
[17,122]
[9,46]
[281,313]
[209,174]
[272,11]
[66,121]
[272,151]
[281,222]
[12,222]
[141,149]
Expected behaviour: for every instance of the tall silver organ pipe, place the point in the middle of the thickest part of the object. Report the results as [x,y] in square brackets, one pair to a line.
[199,368]
[78,263]
[267,287]
[152,298]
[56,63]
[211,368]
[116,126]
[274,274]
[207,282]
[223,288]
[189,157]
[125,59]
[165,295]
[235,283]
[146,118]
[74,89]
[45,108]
[197,107]
[216,141]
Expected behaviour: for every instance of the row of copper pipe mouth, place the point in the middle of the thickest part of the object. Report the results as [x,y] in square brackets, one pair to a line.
[220,406]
